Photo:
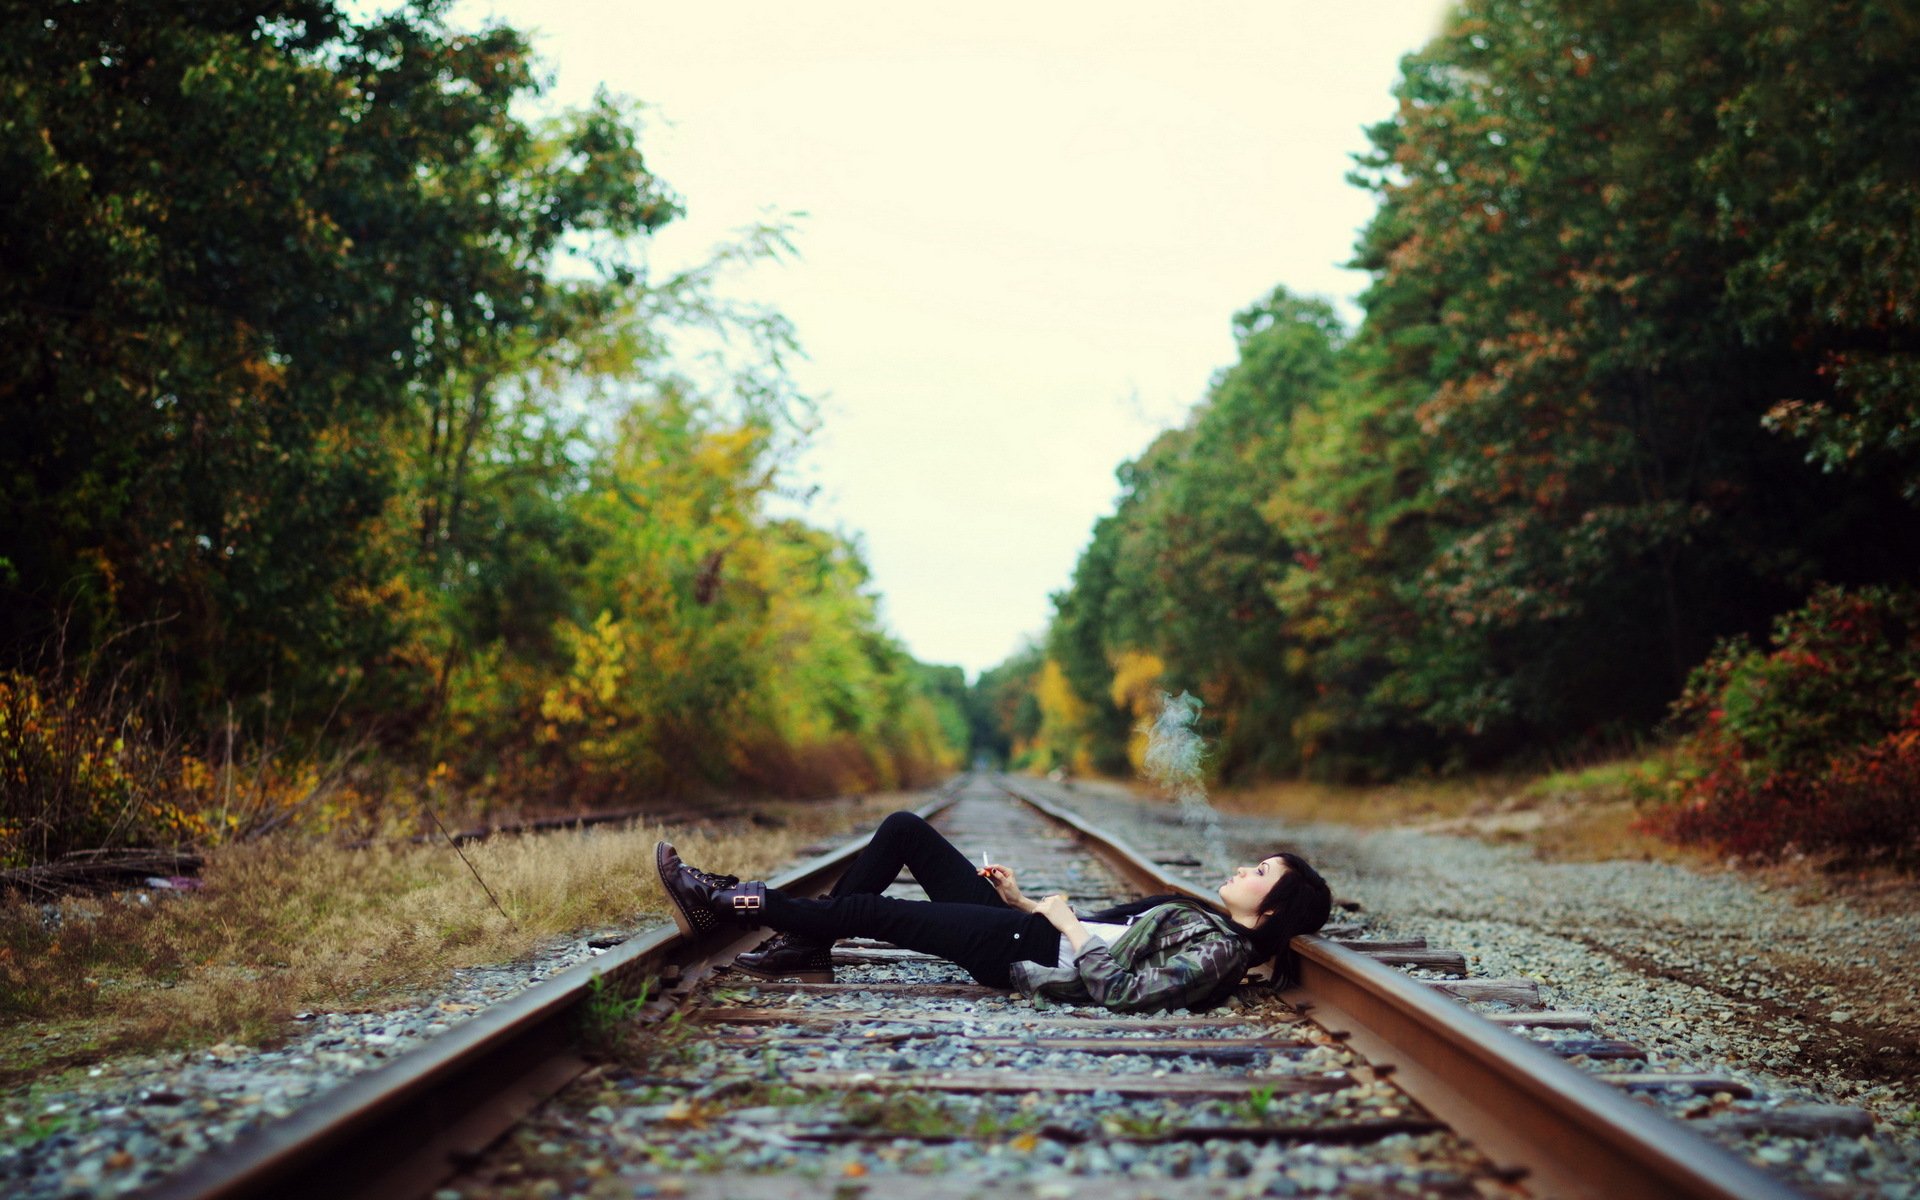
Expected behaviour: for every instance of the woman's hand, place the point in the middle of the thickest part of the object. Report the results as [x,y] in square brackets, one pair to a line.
[1061,916]
[1008,889]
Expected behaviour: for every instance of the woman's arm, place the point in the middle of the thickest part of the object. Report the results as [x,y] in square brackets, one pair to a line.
[1199,957]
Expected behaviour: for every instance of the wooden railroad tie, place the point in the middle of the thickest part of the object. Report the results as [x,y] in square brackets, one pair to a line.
[1236,1086]
[1003,1019]
[1236,1049]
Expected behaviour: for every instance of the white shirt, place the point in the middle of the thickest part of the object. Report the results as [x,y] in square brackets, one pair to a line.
[1100,931]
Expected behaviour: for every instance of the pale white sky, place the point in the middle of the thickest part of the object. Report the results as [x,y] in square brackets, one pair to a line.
[1028,227]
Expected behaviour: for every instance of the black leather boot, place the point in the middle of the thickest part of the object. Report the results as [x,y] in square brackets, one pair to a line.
[704,901]
[788,956]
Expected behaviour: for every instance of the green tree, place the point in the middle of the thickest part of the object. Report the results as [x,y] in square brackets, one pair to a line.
[1596,496]
[1185,568]
[244,245]
[1817,200]
[1002,709]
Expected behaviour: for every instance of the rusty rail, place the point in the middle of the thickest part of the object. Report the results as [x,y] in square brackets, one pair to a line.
[1524,1108]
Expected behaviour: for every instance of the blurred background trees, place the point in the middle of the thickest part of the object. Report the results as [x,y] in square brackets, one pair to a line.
[1636,376]
[340,408]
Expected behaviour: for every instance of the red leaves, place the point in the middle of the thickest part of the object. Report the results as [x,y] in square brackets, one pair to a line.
[1815,744]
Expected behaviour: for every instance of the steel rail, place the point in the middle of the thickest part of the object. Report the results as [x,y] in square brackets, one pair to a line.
[395,1132]
[1563,1133]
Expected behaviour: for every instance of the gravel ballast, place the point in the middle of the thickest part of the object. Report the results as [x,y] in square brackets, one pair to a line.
[1812,1003]
[134,1121]
[1810,999]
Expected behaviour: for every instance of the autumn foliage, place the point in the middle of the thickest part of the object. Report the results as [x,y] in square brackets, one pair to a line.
[1812,743]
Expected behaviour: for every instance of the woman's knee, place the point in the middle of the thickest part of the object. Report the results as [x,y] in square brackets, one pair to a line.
[903,824]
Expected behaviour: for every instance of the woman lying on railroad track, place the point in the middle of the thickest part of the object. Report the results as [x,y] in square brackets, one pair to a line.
[1160,953]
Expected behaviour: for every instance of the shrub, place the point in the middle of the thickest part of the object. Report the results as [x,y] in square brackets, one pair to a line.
[85,769]
[72,772]
[1812,744]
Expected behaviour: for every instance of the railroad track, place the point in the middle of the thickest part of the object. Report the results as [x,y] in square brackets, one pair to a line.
[1375,1077]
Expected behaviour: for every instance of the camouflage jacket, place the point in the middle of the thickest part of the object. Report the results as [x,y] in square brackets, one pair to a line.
[1176,955]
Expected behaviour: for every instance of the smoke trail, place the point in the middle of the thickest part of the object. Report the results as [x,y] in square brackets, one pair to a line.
[1173,762]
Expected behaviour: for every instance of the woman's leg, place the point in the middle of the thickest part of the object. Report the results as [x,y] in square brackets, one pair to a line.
[982,939]
[906,840]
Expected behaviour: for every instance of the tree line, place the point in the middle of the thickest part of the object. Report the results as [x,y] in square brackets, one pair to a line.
[1636,381]
[346,432]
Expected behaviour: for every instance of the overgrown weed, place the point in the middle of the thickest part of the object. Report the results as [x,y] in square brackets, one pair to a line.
[1259,1103]
[608,1013]
[910,1114]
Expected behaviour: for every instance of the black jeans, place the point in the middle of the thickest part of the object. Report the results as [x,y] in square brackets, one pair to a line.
[964,922]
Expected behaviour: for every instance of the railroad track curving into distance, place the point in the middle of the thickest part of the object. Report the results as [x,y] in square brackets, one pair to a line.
[900,1079]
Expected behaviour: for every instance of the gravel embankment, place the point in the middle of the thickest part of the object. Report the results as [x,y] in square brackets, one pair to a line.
[134,1121]
[131,1121]
[1810,998]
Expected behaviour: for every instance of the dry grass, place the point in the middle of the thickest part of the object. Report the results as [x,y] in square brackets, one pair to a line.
[1417,802]
[1586,814]
[285,926]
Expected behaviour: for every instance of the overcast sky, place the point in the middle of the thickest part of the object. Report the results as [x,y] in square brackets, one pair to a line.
[1028,226]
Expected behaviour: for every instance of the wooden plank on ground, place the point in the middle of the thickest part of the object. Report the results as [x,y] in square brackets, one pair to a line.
[1435,960]
[1647,1081]
[1545,1019]
[1502,991]
[1343,1132]
[945,991]
[1800,1121]
[1368,945]
[879,957]
[1596,1047]
[957,1186]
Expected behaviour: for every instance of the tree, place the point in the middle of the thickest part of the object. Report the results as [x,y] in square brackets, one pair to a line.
[1599,499]
[1183,571]
[246,244]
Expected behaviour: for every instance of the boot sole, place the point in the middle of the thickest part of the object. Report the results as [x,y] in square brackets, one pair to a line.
[679,912]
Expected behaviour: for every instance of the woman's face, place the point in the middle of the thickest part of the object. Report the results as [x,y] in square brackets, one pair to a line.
[1248,886]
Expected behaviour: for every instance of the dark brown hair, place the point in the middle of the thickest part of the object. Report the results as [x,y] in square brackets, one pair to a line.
[1298,902]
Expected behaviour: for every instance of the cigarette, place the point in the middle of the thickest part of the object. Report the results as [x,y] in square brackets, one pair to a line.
[984,860]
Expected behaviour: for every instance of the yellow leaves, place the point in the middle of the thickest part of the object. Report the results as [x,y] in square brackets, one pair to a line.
[103,567]
[728,453]
[693,1114]
[195,774]
[605,671]
[1136,677]
[1136,681]
[1058,742]
[593,680]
